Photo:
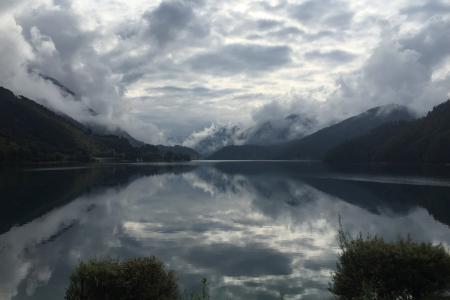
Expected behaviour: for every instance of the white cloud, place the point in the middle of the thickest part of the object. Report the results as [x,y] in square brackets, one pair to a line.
[339,57]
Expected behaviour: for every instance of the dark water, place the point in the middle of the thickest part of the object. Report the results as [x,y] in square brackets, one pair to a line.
[256,230]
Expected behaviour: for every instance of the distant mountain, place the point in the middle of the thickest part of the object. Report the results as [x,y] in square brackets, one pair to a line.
[316,145]
[275,131]
[215,137]
[179,150]
[29,132]
[268,132]
[245,152]
[426,140]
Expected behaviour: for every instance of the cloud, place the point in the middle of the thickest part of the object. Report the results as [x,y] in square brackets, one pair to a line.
[172,19]
[333,56]
[251,260]
[266,24]
[237,58]
[327,13]
[288,32]
[6,6]
[247,232]
[196,91]
[51,41]
[164,69]
[432,43]
[400,70]
[427,9]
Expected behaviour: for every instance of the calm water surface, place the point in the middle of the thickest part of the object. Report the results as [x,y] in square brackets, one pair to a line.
[256,230]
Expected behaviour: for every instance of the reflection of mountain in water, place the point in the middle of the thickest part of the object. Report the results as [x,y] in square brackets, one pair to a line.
[284,180]
[28,194]
[254,229]
[398,198]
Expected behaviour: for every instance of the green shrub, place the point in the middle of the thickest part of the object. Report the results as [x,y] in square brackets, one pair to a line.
[135,279]
[371,268]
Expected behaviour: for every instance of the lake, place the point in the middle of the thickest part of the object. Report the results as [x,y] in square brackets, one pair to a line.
[255,230]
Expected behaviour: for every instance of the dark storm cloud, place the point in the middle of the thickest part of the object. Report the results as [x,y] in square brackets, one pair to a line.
[199,91]
[251,260]
[428,9]
[6,5]
[176,53]
[326,263]
[173,18]
[327,13]
[266,24]
[293,32]
[400,71]
[270,7]
[62,26]
[432,42]
[73,46]
[237,58]
[287,32]
[335,56]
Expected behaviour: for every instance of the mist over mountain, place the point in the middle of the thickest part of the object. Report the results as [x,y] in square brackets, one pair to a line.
[65,91]
[268,132]
[215,137]
[29,132]
[139,64]
[301,99]
[316,145]
[274,131]
[93,125]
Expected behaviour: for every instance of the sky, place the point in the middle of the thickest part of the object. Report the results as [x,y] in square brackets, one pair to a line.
[164,69]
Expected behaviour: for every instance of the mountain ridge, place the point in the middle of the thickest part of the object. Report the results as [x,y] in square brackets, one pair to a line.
[316,145]
[29,132]
[271,131]
[425,140]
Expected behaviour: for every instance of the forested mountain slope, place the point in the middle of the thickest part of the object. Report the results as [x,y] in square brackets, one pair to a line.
[426,140]
[29,132]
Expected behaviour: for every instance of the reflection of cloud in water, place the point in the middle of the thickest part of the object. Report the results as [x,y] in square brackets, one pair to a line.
[254,236]
[248,260]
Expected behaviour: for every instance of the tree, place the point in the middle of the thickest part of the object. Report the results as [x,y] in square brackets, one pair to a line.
[139,278]
[371,268]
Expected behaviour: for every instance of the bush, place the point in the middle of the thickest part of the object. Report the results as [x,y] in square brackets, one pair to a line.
[371,268]
[140,278]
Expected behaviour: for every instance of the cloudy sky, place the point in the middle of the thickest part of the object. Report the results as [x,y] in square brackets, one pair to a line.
[164,69]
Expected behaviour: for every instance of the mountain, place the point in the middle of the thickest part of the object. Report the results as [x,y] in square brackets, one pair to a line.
[104,130]
[245,152]
[274,131]
[315,146]
[36,193]
[426,140]
[178,150]
[215,137]
[65,91]
[277,131]
[29,132]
